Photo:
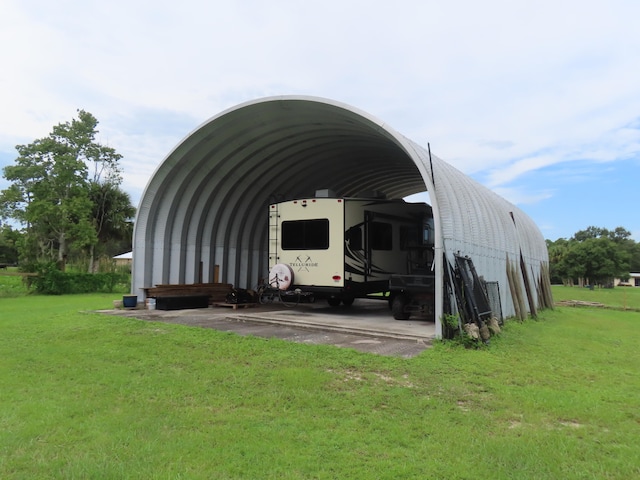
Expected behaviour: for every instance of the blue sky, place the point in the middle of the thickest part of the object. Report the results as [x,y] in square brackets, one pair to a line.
[539,101]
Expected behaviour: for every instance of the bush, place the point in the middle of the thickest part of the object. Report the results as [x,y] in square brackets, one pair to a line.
[52,281]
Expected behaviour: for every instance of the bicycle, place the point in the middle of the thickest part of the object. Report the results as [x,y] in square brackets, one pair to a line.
[267,293]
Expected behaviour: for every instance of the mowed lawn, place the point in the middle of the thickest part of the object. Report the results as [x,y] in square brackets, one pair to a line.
[84,395]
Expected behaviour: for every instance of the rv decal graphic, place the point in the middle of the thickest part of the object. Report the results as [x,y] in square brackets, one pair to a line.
[303,265]
[356,261]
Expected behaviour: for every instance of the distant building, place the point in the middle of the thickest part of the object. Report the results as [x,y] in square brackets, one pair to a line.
[632,281]
[124,259]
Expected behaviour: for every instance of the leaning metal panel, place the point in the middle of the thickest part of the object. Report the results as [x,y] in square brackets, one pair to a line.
[493,294]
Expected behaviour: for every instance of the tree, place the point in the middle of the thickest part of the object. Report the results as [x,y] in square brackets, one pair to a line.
[52,189]
[112,216]
[622,238]
[48,194]
[634,260]
[620,235]
[9,240]
[590,232]
[596,261]
[592,256]
[557,251]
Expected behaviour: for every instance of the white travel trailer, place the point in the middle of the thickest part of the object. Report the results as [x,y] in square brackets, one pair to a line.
[344,248]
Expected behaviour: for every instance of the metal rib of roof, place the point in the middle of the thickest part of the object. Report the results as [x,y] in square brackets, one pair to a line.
[206,204]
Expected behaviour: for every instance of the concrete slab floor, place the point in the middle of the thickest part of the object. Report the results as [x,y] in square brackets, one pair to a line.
[366,326]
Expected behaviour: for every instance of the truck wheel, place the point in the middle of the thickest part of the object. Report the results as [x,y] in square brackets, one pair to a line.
[399,308]
[333,301]
[348,301]
[392,296]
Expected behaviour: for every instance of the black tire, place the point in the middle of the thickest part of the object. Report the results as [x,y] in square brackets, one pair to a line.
[348,301]
[289,300]
[399,308]
[390,301]
[333,301]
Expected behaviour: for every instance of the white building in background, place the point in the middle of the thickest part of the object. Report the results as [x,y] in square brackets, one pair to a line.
[632,281]
[124,259]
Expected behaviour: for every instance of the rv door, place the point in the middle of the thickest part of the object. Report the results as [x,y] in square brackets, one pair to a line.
[378,234]
[368,232]
[382,256]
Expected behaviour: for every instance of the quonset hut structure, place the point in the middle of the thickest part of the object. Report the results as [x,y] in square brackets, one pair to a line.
[206,206]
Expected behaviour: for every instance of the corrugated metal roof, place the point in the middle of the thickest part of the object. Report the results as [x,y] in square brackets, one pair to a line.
[207,201]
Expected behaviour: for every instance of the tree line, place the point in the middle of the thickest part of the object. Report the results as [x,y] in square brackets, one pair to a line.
[64,202]
[594,256]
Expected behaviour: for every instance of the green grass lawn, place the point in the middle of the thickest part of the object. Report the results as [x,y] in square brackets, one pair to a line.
[619,297]
[11,284]
[84,395]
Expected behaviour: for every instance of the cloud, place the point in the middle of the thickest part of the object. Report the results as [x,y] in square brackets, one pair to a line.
[505,91]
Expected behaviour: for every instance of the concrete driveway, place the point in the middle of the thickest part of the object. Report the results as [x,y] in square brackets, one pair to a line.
[366,326]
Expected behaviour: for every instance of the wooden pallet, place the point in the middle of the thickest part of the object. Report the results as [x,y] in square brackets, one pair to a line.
[235,306]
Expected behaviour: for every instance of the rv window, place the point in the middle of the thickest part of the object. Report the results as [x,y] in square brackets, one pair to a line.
[381,236]
[426,235]
[305,234]
[409,237]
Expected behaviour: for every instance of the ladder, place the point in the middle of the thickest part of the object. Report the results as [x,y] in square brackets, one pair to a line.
[274,223]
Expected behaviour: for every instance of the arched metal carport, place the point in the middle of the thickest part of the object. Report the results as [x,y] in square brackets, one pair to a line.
[207,203]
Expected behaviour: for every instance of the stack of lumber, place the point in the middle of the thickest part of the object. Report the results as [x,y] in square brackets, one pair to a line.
[217,292]
[579,303]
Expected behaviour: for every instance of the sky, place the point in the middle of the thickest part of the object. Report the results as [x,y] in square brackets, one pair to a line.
[538,101]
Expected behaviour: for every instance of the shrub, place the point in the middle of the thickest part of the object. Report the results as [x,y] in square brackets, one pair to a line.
[52,281]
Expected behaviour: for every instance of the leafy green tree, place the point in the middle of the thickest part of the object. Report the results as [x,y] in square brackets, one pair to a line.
[622,237]
[618,235]
[557,251]
[9,241]
[590,232]
[52,191]
[595,261]
[48,195]
[598,261]
[112,217]
[594,255]
[634,260]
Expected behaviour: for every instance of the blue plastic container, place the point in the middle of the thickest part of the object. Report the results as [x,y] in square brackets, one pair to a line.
[130,301]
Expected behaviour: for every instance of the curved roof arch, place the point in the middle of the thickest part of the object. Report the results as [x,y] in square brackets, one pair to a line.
[207,202]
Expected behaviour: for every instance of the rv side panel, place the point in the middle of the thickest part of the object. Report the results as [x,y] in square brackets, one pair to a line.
[309,238]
